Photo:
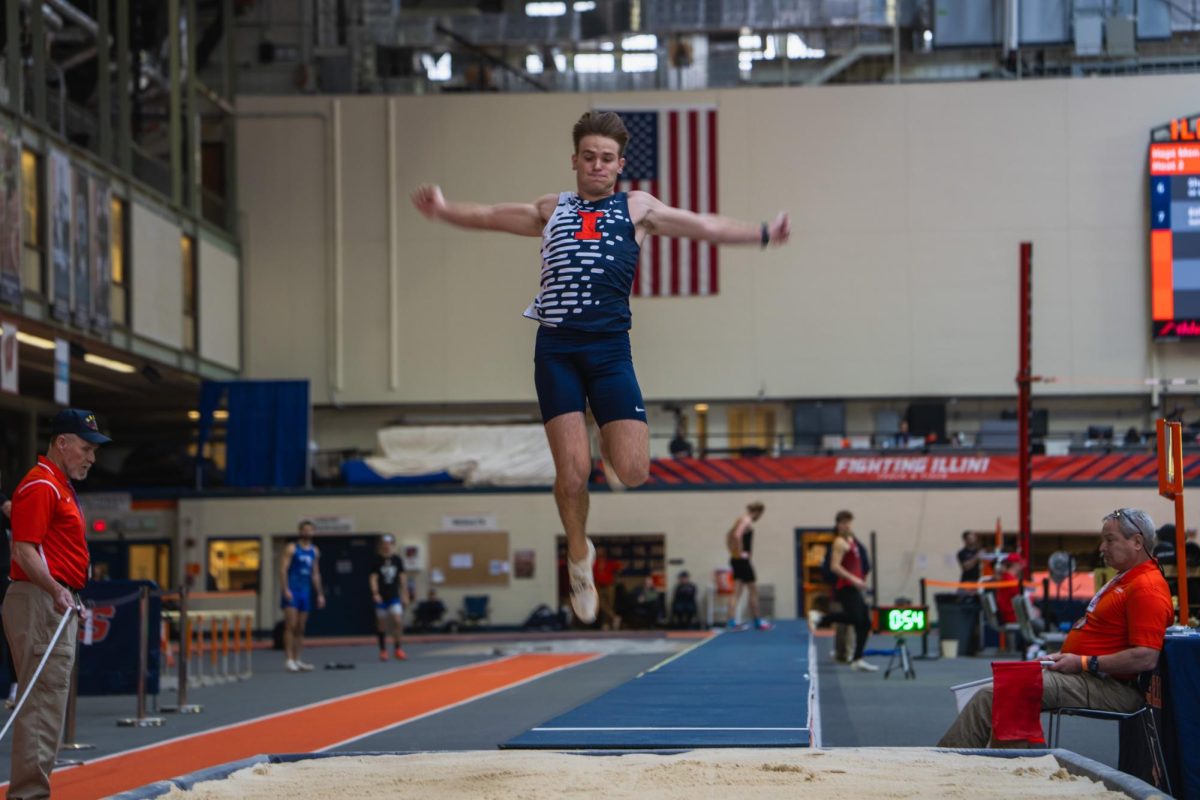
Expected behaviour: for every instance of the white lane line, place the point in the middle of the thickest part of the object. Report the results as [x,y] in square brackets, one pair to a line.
[548,730]
[680,654]
[814,699]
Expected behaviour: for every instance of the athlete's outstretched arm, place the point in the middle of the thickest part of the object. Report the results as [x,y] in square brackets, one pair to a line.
[663,220]
[523,219]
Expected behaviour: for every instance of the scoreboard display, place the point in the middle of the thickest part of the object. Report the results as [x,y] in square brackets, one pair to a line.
[1175,229]
[901,620]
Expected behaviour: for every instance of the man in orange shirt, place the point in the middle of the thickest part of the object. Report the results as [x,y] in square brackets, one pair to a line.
[1120,636]
[49,568]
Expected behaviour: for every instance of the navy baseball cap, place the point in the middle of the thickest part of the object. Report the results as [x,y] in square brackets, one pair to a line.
[79,422]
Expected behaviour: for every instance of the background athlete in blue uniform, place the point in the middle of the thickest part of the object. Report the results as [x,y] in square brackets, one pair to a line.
[300,577]
[590,244]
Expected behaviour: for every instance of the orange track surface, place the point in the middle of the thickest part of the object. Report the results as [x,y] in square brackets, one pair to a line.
[307,729]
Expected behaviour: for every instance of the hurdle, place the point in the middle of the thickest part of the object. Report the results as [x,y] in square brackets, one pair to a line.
[215,646]
[212,647]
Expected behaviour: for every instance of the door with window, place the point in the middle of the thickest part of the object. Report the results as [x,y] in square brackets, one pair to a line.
[132,561]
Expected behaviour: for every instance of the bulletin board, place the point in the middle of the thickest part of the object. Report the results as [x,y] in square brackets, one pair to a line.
[470,558]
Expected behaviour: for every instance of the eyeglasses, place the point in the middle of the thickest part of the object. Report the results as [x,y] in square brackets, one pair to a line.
[1124,513]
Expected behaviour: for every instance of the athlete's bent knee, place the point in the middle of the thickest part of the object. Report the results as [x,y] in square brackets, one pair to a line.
[633,474]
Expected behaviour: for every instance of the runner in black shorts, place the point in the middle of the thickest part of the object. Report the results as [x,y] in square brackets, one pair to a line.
[740,541]
[591,243]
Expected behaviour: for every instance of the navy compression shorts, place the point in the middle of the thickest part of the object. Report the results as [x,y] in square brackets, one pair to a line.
[573,369]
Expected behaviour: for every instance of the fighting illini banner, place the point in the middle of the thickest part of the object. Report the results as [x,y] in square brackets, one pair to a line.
[914,468]
[1119,468]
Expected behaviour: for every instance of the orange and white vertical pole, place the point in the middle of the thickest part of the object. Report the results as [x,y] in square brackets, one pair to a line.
[1170,486]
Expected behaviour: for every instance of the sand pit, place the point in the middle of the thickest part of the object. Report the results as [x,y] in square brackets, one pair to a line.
[786,773]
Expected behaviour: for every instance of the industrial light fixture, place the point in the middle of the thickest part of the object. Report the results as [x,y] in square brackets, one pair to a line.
[701,408]
[109,363]
[220,415]
[545,9]
[35,341]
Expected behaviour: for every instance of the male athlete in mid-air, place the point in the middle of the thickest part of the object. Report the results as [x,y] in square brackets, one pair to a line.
[591,239]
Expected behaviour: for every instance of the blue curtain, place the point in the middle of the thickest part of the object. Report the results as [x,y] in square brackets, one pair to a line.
[267,432]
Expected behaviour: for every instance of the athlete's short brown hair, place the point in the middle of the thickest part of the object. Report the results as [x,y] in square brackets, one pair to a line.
[755,507]
[602,123]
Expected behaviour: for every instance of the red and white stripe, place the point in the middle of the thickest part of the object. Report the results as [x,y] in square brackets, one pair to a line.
[687,179]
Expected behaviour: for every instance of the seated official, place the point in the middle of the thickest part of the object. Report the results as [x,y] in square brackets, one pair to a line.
[429,611]
[1120,636]
[1007,571]
[683,603]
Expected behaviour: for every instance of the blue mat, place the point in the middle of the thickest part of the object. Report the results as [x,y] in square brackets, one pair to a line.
[744,689]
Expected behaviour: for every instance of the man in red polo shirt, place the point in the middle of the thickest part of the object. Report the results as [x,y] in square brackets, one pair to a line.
[49,568]
[1120,636]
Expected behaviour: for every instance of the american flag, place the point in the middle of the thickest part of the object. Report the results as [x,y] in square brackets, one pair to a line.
[672,154]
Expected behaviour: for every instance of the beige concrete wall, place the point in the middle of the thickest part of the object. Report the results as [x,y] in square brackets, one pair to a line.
[157,275]
[918,530]
[908,205]
[220,309]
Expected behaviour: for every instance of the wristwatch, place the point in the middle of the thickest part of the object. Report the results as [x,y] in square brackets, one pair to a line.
[1094,665]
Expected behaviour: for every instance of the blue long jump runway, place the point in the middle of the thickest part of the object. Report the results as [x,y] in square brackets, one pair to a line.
[743,689]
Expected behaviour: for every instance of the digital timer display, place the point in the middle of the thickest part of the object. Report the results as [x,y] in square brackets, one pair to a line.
[902,619]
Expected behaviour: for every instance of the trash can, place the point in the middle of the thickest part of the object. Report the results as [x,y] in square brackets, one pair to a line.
[958,619]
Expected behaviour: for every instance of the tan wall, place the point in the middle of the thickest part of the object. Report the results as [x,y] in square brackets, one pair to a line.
[220,311]
[908,206]
[157,276]
[918,531]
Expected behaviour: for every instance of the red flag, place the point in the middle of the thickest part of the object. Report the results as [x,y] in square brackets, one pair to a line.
[1017,702]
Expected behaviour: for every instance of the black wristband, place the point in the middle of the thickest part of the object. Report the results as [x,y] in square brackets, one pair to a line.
[765,235]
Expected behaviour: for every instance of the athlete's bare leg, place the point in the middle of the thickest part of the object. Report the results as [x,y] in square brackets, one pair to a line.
[289,638]
[567,435]
[568,438]
[398,626]
[298,633]
[625,448]
[734,599]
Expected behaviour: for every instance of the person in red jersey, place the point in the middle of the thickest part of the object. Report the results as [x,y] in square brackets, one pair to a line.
[49,568]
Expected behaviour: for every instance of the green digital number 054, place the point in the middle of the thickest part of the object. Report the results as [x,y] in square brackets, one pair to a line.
[903,620]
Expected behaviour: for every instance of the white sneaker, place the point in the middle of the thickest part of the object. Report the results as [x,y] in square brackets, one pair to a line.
[291,666]
[863,666]
[585,602]
[304,666]
[814,618]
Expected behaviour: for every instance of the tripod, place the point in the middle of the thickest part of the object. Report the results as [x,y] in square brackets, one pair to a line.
[901,655]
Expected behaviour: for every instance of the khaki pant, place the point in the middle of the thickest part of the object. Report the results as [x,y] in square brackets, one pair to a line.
[29,623]
[973,728]
[608,606]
